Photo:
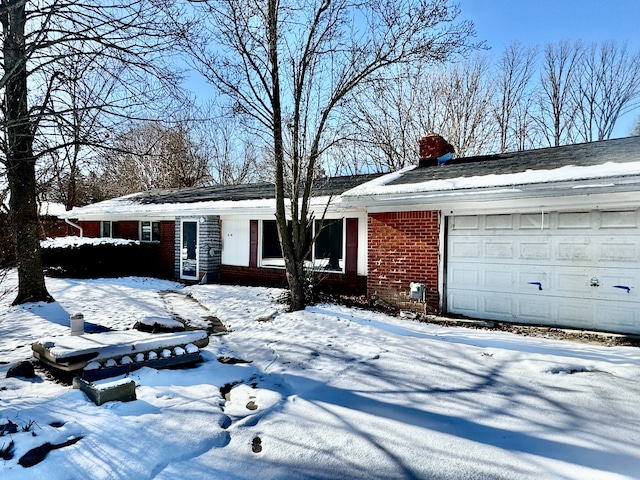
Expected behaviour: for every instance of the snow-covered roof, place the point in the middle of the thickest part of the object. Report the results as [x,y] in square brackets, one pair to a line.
[52,209]
[217,199]
[611,166]
[573,169]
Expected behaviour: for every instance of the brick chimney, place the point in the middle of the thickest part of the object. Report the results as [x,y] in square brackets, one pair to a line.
[433,147]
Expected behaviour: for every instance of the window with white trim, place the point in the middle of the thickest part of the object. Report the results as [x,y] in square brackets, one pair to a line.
[149,231]
[327,253]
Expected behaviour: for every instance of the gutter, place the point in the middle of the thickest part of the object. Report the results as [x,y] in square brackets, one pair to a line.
[568,188]
[74,225]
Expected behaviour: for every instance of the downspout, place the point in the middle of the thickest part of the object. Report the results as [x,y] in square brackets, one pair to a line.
[74,225]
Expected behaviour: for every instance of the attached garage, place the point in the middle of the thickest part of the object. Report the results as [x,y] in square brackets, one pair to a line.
[546,237]
[575,269]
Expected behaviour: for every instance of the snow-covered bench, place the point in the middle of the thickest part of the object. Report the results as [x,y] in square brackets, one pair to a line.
[103,355]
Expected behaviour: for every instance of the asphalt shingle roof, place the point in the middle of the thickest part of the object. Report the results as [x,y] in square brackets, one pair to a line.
[252,191]
[584,154]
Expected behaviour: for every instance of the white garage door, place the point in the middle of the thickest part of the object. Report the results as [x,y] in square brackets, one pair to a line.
[580,270]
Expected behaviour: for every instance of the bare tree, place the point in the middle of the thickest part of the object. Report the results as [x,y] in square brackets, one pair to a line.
[291,65]
[388,118]
[384,117]
[513,76]
[77,129]
[465,93]
[558,79]
[234,157]
[635,130]
[608,86]
[36,36]
[152,155]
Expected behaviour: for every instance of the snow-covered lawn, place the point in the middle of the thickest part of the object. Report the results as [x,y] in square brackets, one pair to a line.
[340,393]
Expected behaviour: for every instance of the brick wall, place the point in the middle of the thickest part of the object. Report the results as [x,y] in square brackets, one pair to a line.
[159,256]
[89,229]
[126,229]
[254,276]
[403,248]
[275,277]
[167,247]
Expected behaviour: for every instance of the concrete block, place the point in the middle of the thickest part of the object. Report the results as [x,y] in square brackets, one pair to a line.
[123,390]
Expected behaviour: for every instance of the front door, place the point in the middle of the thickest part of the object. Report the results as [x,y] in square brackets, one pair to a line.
[189,254]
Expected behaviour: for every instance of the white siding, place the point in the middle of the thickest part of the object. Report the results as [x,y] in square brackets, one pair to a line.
[235,242]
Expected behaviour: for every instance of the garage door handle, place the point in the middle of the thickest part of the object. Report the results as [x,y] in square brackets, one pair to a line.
[536,283]
[623,287]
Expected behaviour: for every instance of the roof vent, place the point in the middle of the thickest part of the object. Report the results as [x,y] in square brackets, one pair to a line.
[434,150]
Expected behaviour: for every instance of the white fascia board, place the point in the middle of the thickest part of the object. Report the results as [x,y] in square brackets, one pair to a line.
[525,205]
[606,192]
[246,208]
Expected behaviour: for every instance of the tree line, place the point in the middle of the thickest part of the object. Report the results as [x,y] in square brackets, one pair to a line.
[492,102]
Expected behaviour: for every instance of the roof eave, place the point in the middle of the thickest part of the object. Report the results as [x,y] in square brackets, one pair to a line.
[435,198]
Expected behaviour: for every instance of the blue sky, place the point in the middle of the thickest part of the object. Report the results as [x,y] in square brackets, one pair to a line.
[500,22]
[538,22]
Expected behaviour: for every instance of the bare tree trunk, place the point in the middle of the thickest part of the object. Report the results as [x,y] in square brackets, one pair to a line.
[294,268]
[20,160]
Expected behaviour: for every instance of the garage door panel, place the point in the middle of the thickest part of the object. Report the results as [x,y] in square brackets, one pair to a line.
[498,278]
[534,221]
[498,249]
[462,303]
[619,219]
[575,249]
[465,249]
[498,222]
[578,316]
[531,308]
[611,251]
[499,306]
[467,276]
[617,316]
[497,272]
[535,250]
[581,220]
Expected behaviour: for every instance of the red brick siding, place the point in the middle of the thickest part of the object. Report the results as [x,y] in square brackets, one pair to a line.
[254,276]
[51,227]
[159,257]
[275,277]
[403,248]
[126,229]
[89,229]
[167,246]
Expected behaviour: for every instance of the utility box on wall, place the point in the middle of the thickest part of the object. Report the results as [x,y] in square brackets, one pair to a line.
[417,291]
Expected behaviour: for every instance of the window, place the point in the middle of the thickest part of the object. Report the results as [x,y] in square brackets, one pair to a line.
[149,231]
[106,230]
[271,251]
[327,252]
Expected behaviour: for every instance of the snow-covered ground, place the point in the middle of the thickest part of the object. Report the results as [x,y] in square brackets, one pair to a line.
[330,393]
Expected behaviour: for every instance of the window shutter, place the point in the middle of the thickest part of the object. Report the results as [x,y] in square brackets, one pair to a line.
[351,261]
[253,243]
